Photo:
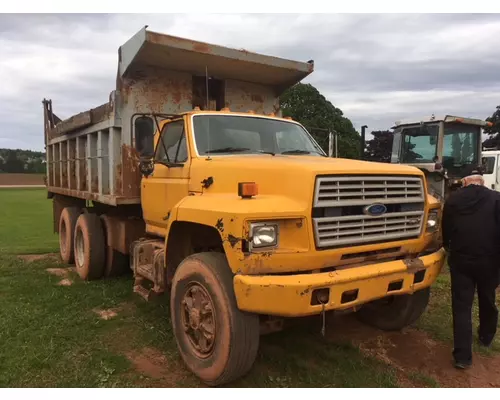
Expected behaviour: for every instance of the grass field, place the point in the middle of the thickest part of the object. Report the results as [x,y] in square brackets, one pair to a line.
[52,335]
[26,222]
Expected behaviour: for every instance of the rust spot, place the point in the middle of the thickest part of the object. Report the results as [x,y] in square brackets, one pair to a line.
[257,98]
[306,291]
[118,179]
[299,224]
[414,264]
[202,47]
[233,240]
[131,174]
[220,225]
[95,183]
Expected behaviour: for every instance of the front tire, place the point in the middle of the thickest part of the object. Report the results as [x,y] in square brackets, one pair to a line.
[217,341]
[395,312]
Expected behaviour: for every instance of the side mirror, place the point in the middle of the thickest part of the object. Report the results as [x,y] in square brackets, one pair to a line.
[144,131]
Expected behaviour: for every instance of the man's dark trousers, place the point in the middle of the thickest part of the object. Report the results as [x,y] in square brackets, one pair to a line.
[465,279]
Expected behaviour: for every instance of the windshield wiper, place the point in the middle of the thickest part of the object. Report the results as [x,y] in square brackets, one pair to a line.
[296,151]
[267,152]
[228,150]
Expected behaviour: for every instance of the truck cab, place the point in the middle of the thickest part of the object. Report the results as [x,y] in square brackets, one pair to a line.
[446,148]
[491,168]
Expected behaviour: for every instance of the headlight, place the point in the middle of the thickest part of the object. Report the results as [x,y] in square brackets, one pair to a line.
[264,235]
[433,221]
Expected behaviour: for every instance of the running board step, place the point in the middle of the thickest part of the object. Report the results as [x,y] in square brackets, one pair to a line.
[145,293]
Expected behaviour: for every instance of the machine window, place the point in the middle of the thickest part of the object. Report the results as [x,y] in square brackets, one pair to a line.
[489,165]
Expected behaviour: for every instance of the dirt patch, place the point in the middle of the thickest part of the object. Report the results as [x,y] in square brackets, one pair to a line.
[21,179]
[154,364]
[37,257]
[413,351]
[62,273]
[58,271]
[107,314]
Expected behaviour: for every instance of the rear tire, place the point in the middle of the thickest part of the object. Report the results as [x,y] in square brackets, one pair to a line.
[217,341]
[90,251]
[396,312]
[67,223]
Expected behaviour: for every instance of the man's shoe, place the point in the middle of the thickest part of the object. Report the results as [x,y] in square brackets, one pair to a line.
[462,365]
[482,341]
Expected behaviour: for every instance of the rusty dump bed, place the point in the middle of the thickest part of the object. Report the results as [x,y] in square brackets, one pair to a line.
[90,155]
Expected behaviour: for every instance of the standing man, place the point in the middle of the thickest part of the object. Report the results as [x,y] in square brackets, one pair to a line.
[471,237]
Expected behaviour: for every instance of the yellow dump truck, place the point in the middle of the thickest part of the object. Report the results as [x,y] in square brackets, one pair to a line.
[190,177]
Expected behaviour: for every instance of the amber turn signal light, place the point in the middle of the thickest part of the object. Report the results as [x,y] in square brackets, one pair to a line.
[247,190]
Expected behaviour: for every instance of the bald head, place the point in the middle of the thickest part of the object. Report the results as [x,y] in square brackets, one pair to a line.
[473,180]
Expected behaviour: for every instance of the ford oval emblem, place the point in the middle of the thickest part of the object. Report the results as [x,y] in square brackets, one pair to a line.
[375,210]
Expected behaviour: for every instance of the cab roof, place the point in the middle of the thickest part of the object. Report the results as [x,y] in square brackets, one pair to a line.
[441,118]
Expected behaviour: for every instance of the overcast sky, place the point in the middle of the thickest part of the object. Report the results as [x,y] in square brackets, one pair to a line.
[375,68]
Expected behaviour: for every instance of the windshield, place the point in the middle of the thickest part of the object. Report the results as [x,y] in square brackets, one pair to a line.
[419,145]
[460,145]
[228,134]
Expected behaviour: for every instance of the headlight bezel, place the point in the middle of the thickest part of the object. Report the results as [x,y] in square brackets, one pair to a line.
[432,216]
[254,227]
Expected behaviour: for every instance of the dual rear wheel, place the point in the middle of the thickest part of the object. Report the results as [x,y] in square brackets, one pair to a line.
[84,240]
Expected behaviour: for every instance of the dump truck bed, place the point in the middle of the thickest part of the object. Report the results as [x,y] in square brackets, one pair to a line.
[91,155]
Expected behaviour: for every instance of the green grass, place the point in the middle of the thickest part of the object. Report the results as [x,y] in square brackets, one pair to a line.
[26,222]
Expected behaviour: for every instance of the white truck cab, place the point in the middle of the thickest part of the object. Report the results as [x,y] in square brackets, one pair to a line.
[491,167]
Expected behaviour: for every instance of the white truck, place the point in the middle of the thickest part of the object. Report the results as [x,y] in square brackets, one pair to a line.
[491,169]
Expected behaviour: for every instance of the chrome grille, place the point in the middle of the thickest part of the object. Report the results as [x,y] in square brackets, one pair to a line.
[337,191]
[343,199]
[362,229]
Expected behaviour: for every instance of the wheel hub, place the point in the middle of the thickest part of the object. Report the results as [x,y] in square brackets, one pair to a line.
[198,319]
[79,249]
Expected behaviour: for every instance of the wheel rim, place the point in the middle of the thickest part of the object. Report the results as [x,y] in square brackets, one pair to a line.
[62,238]
[79,248]
[198,320]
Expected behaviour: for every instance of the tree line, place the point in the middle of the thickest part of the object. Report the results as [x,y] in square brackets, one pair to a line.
[22,161]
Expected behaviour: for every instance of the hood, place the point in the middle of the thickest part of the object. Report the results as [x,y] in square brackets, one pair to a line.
[282,175]
[468,199]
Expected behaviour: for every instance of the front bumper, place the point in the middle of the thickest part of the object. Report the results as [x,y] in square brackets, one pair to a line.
[294,295]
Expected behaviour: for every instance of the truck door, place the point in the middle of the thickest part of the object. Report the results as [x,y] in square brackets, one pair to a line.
[170,179]
[490,175]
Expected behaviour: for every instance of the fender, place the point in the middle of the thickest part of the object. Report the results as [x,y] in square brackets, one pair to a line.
[229,215]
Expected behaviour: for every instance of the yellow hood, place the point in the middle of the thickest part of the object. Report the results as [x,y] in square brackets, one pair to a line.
[282,175]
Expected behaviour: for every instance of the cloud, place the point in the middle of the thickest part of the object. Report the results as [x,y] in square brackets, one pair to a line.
[375,67]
